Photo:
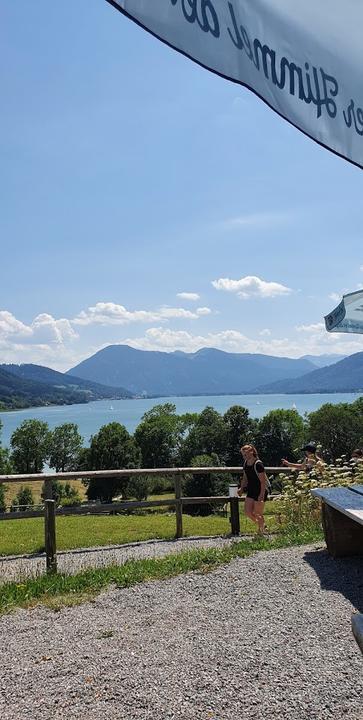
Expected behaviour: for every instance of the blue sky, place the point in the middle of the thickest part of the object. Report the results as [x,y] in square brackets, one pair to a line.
[147,201]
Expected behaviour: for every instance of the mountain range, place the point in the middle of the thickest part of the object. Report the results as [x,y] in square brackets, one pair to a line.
[206,372]
[344,376]
[108,373]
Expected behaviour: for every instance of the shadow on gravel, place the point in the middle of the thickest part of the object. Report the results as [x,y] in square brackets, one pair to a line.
[343,575]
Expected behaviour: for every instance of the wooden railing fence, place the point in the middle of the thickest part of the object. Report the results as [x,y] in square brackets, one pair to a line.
[50,511]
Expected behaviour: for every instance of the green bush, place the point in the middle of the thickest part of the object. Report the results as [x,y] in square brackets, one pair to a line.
[2,498]
[204,485]
[161,485]
[22,500]
[139,487]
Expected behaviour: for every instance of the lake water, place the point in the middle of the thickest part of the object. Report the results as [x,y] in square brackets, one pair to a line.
[92,416]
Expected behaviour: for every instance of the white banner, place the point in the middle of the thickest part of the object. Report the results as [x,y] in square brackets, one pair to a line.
[304,59]
[348,316]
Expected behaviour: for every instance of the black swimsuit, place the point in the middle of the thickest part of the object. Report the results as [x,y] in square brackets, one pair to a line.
[253,481]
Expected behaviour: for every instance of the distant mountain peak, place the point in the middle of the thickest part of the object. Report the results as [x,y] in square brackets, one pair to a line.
[208,371]
[346,375]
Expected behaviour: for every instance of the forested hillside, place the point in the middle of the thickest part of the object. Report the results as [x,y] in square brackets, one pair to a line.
[23,386]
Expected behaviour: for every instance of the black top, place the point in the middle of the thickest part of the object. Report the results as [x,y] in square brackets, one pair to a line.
[253,481]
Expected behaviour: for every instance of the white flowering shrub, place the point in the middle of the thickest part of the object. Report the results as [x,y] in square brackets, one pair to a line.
[298,507]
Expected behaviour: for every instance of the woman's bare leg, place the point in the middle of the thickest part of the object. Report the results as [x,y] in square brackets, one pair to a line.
[249,509]
[258,511]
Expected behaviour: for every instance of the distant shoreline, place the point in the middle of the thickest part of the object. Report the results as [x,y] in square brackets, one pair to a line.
[252,393]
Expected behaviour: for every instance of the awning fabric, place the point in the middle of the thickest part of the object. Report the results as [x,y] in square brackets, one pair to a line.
[304,59]
[348,316]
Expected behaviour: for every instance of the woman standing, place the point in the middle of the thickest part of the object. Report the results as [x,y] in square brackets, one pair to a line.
[312,460]
[255,482]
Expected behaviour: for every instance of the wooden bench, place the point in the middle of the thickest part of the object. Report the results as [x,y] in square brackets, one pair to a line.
[342,516]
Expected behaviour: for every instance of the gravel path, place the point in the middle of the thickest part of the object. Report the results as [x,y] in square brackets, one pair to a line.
[266,637]
[73,561]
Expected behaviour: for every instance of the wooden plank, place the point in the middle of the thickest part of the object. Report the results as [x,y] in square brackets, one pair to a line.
[48,490]
[162,472]
[342,499]
[50,538]
[343,535]
[235,523]
[178,507]
[100,508]
[21,515]
[206,500]
[103,508]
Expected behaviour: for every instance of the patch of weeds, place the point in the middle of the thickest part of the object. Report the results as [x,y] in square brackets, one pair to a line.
[106,634]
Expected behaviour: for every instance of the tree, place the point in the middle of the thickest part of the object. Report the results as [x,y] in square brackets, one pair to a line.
[64,447]
[22,500]
[84,459]
[5,464]
[113,448]
[2,498]
[240,430]
[204,484]
[30,446]
[160,435]
[338,428]
[279,434]
[207,436]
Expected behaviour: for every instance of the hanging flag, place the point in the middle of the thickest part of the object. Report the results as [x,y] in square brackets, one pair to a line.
[348,316]
[304,59]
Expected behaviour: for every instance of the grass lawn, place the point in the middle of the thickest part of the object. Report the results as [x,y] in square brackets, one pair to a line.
[27,536]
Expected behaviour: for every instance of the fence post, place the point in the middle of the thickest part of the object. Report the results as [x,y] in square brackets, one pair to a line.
[235,525]
[48,495]
[50,538]
[178,507]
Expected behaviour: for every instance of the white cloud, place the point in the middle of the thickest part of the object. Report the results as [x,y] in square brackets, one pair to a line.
[43,329]
[314,340]
[265,333]
[159,338]
[166,339]
[361,268]
[317,341]
[188,296]
[251,286]
[109,313]
[48,330]
[313,328]
[335,297]
[203,311]
[168,313]
[9,325]
[45,340]
[256,220]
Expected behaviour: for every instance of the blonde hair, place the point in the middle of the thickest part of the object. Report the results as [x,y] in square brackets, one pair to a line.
[250,447]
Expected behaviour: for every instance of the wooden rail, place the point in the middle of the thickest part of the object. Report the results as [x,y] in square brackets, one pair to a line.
[50,511]
[89,474]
